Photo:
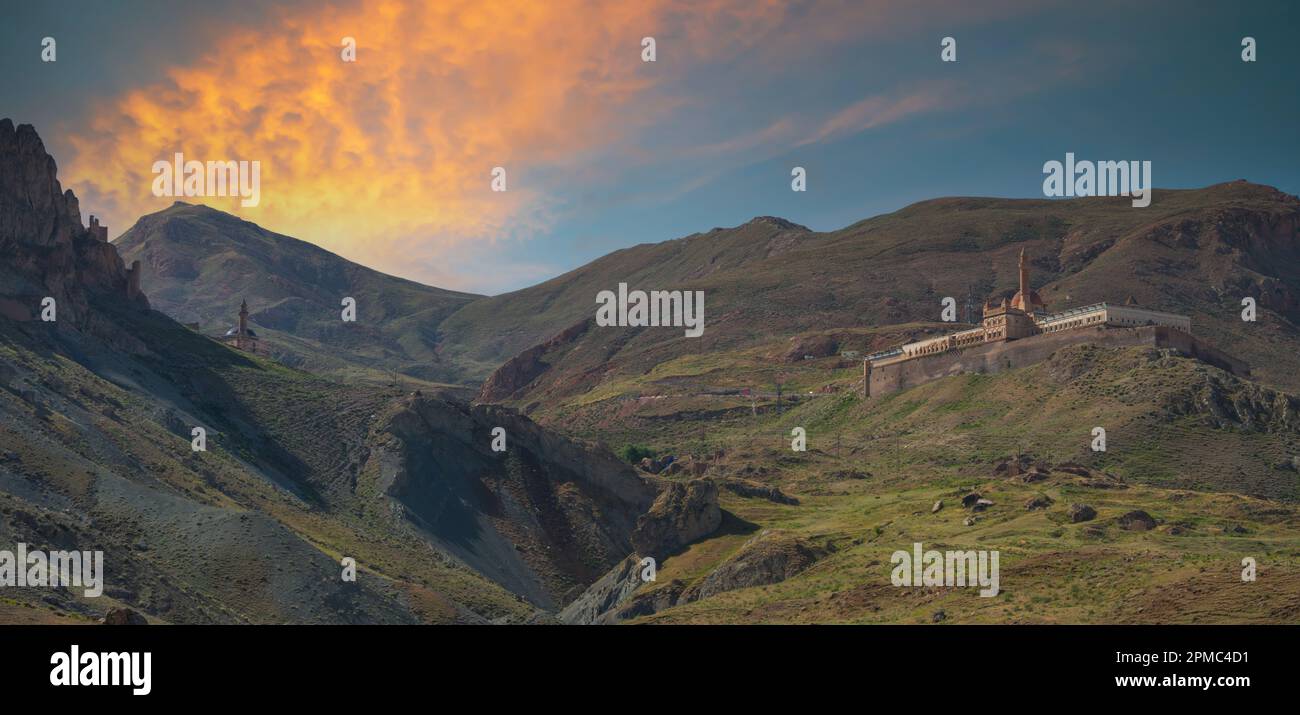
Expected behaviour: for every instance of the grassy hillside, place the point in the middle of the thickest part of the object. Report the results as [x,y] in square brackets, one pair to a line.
[1208,456]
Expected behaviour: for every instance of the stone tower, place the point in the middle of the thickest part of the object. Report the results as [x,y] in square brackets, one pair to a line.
[241,337]
[98,231]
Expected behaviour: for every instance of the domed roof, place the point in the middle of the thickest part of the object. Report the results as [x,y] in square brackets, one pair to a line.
[1033,303]
[235,331]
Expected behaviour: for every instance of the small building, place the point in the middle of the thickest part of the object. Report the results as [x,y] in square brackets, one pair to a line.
[242,337]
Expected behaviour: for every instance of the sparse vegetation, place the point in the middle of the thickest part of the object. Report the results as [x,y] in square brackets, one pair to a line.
[634,453]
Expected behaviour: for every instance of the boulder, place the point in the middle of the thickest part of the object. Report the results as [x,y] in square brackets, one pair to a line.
[1021,464]
[1081,512]
[124,617]
[970,500]
[1136,520]
[1076,469]
[937,506]
[1042,501]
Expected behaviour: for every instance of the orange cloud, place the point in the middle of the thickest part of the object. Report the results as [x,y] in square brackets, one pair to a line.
[388,160]
[362,157]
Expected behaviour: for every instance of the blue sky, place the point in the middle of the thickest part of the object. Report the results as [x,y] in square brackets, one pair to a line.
[605,153]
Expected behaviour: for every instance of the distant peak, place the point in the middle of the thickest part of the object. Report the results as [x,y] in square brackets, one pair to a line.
[777,222]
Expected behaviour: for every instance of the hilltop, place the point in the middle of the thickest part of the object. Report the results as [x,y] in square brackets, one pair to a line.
[198,263]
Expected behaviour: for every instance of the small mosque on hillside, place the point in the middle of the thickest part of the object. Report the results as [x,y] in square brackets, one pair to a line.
[242,337]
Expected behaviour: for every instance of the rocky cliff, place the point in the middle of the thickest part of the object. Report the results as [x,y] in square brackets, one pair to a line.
[49,253]
[545,516]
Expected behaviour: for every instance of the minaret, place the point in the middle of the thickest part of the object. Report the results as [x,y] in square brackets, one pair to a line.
[1024,282]
[243,325]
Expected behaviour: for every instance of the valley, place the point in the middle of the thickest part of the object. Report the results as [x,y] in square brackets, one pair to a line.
[374,440]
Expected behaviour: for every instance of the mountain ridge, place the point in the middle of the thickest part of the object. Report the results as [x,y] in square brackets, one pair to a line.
[1197,252]
[200,263]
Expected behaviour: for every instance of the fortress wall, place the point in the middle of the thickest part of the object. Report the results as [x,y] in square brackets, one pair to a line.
[1192,346]
[997,357]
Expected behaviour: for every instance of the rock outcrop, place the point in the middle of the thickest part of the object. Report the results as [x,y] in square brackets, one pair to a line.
[124,617]
[606,594]
[683,512]
[1081,512]
[544,518]
[48,252]
[818,346]
[754,490]
[1136,521]
[770,557]
[520,370]
[1042,501]
[621,594]
[1223,401]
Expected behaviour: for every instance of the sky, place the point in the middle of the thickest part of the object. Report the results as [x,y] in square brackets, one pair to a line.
[388,160]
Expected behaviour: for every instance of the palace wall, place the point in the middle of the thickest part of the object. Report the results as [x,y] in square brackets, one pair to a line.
[996,357]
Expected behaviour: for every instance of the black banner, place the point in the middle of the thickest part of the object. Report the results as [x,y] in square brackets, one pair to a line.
[233,664]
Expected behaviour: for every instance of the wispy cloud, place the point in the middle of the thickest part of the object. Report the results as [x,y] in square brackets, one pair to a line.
[879,110]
